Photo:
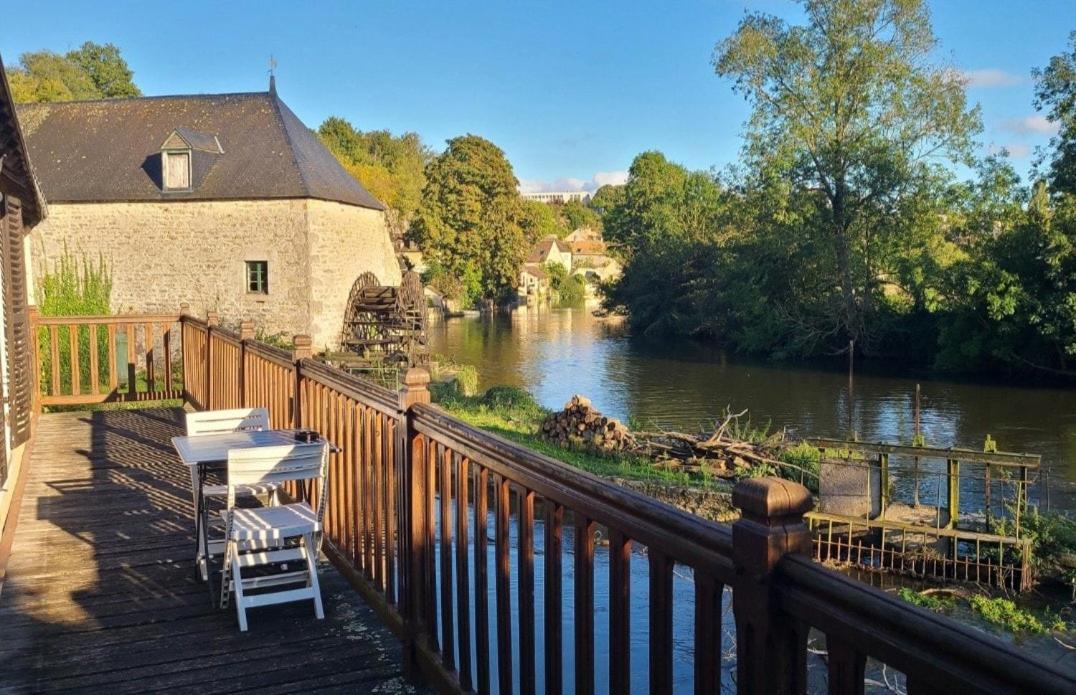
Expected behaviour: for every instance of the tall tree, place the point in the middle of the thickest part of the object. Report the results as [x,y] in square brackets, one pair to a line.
[1055,93]
[93,71]
[391,167]
[106,68]
[851,105]
[471,223]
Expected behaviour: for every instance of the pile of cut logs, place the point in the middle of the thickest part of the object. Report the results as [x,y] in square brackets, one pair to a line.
[581,424]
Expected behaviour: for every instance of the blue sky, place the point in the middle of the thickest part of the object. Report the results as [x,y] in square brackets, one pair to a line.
[572,91]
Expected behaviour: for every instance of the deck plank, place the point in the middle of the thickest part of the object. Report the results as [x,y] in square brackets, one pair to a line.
[100,592]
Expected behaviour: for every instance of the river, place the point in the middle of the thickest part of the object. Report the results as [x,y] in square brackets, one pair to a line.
[556,353]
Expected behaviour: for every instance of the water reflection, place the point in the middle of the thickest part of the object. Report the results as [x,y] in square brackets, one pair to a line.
[558,352]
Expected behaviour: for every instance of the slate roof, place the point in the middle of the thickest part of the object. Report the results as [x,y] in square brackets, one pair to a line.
[107,150]
[541,250]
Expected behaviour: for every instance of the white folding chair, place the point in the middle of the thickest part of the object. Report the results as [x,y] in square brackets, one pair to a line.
[258,536]
[209,422]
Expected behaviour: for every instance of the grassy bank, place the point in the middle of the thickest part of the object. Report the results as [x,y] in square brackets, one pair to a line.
[514,414]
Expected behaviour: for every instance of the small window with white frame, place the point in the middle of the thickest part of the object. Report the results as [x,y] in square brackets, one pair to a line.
[258,277]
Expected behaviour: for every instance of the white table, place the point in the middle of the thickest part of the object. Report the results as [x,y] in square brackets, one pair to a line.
[201,452]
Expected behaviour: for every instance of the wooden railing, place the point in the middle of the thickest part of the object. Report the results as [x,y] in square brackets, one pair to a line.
[459,538]
[97,359]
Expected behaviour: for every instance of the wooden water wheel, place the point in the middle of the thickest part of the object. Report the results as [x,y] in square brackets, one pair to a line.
[384,325]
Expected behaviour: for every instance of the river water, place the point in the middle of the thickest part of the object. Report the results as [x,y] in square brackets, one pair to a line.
[556,353]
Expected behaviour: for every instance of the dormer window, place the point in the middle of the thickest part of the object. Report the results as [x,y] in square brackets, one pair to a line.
[176,166]
[186,158]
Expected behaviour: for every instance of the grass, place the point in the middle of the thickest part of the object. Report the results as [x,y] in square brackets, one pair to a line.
[514,414]
[998,611]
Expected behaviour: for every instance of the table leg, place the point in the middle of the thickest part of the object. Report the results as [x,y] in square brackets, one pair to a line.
[203,516]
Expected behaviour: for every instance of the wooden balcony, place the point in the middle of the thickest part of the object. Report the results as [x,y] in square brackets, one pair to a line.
[476,560]
[101,594]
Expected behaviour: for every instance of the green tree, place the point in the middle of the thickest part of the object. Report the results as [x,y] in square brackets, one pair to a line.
[541,220]
[851,106]
[577,215]
[471,222]
[1055,93]
[391,167]
[93,71]
[106,68]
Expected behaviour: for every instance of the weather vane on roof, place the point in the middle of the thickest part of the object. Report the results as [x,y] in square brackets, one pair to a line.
[272,74]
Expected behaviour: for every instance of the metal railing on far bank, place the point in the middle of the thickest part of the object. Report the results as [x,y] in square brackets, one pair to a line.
[503,570]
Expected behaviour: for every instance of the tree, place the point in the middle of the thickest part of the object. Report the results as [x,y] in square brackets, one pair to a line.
[471,222]
[850,106]
[93,71]
[577,215]
[391,167]
[106,68]
[1055,93]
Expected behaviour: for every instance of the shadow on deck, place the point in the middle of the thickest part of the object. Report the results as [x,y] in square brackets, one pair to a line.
[101,592]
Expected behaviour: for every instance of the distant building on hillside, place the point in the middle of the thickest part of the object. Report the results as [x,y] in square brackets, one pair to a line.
[557,196]
[227,202]
[551,250]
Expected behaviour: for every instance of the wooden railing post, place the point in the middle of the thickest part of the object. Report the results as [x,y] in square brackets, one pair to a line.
[411,504]
[246,333]
[32,315]
[771,648]
[212,320]
[184,312]
[301,350]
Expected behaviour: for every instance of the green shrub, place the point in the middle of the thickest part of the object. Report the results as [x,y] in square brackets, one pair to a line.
[940,604]
[74,287]
[467,380]
[804,464]
[1004,613]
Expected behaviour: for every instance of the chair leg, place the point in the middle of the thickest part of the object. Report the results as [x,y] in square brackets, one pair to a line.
[237,582]
[225,572]
[312,567]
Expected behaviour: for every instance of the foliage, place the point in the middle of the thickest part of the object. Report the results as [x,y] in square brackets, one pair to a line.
[92,71]
[934,602]
[391,167]
[74,287]
[542,219]
[467,380]
[804,464]
[1004,613]
[1052,536]
[570,289]
[577,215]
[471,222]
[850,107]
[1055,93]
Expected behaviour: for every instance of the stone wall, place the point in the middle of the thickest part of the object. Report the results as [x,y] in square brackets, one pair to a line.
[344,242]
[162,254]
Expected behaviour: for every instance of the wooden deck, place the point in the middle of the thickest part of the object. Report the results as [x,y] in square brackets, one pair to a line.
[101,595]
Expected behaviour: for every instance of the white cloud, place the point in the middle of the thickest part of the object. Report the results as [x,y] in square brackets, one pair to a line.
[1037,125]
[610,178]
[990,77]
[1014,150]
[601,178]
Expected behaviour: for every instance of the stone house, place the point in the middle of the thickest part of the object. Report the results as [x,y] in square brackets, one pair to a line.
[551,250]
[21,207]
[227,202]
[533,281]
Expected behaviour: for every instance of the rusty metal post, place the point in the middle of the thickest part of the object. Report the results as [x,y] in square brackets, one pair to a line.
[411,506]
[301,350]
[212,320]
[246,333]
[771,648]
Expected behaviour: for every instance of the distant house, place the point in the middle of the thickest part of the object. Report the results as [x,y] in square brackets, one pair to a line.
[21,208]
[551,250]
[533,281]
[584,234]
[227,201]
